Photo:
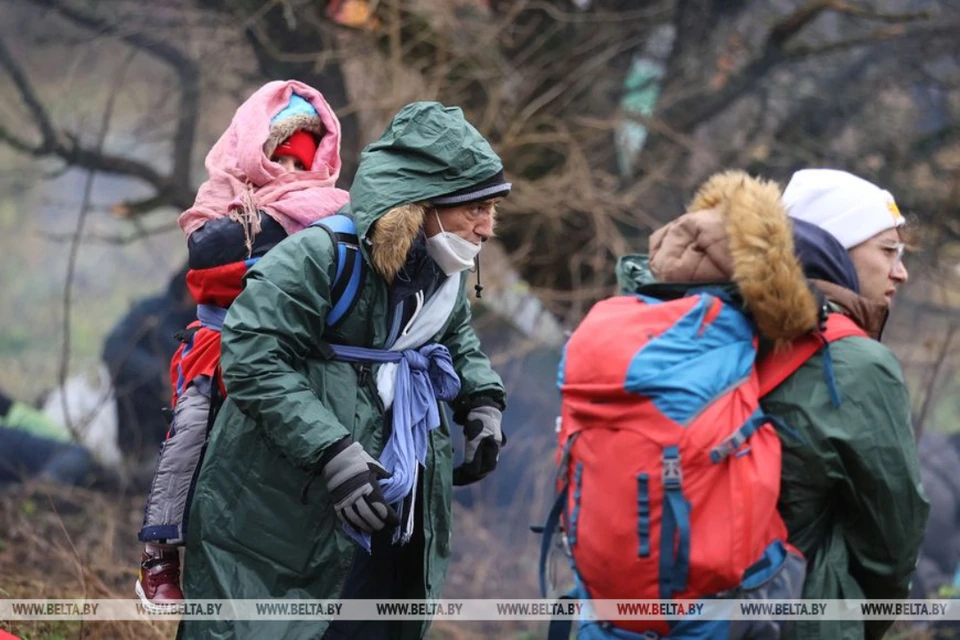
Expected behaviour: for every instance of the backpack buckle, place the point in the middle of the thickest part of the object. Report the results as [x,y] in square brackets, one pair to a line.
[737,439]
[672,473]
[728,447]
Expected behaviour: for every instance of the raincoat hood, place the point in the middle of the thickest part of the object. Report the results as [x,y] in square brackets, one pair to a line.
[427,151]
[829,267]
[822,256]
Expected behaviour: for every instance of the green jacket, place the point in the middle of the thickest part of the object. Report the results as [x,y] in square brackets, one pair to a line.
[249,534]
[851,494]
[24,417]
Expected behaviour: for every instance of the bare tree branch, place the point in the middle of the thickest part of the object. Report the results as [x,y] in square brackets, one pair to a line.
[686,114]
[67,147]
[134,208]
[841,6]
[793,24]
[19,144]
[29,96]
[184,66]
[158,48]
[880,35]
[897,32]
[95,159]
[75,244]
[559,15]
[790,26]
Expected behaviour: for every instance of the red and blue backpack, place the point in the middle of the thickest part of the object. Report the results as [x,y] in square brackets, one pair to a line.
[668,469]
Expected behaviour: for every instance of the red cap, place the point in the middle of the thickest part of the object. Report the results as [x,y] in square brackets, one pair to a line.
[301,145]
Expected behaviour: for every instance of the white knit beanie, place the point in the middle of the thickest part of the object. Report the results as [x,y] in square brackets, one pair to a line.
[849,208]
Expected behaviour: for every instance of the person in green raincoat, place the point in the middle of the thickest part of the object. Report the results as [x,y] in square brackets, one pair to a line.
[851,492]
[294,496]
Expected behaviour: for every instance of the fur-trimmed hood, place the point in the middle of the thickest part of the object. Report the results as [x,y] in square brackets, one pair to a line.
[737,230]
[428,150]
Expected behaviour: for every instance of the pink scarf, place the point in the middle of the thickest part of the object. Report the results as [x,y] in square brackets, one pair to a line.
[243,180]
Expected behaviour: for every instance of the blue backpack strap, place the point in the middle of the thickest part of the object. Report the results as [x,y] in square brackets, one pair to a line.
[549,528]
[347,283]
[674,565]
[732,443]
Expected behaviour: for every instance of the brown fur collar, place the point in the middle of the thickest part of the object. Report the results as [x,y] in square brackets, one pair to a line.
[392,236]
[738,230]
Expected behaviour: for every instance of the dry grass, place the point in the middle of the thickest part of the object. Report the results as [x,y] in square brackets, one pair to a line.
[72,543]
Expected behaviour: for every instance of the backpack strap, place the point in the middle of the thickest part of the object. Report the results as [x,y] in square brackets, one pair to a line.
[553,521]
[350,265]
[216,399]
[775,368]
[675,525]
[549,528]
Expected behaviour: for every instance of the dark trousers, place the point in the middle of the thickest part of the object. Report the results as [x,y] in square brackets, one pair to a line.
[389,572]
[24,455]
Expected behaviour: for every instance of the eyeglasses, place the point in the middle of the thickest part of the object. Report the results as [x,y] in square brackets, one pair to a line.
[486,207]
[894,251]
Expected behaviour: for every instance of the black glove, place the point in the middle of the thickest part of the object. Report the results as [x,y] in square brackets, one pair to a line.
[484,439]
[352,480]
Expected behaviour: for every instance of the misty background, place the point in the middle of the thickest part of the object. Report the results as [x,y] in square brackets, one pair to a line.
[607,114]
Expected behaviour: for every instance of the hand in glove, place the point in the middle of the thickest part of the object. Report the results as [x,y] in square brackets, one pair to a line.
[484,439]
[352,479]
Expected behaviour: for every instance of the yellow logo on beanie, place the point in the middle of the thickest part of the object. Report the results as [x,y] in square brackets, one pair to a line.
[895,212]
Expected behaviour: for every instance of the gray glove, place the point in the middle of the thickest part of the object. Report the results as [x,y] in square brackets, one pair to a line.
[352,479]
[484,439]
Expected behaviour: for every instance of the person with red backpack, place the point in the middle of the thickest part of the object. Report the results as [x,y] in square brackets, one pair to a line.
[731,428]
[271,174]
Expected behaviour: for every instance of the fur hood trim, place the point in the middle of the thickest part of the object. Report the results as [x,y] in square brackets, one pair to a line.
[392,236]
[738,225]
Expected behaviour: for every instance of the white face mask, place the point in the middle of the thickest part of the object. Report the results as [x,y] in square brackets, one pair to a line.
[452,253]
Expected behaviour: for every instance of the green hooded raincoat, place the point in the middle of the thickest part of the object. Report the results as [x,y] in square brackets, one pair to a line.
[250,535]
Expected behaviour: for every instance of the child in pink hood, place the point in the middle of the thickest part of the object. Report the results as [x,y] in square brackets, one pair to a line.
[270,174]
